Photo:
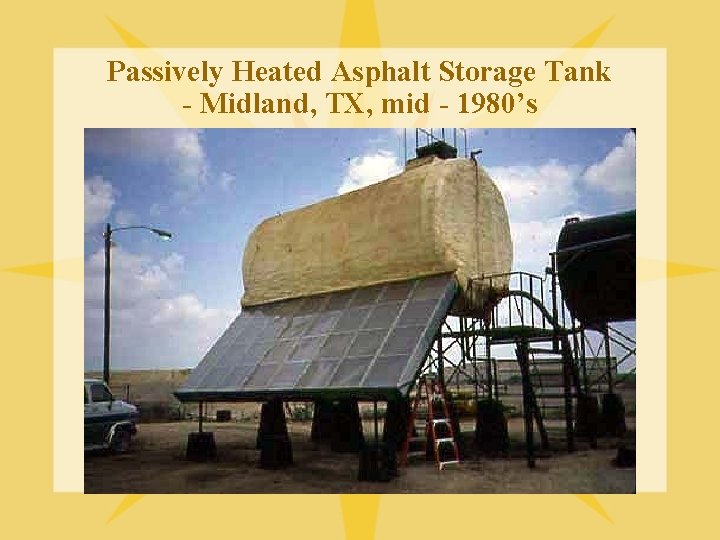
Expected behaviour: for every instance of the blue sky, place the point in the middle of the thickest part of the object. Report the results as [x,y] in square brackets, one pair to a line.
[211,187]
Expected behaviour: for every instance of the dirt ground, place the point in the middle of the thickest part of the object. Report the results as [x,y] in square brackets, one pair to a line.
[156,464]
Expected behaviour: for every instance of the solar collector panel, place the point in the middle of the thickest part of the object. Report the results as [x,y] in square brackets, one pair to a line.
[370,341]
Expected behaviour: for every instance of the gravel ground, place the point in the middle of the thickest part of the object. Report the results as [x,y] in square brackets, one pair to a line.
[156,464]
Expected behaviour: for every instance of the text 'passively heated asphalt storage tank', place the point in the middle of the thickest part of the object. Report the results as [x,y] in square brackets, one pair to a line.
[596,267]
[438,216]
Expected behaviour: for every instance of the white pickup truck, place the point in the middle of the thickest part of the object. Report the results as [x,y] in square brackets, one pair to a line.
[109,422]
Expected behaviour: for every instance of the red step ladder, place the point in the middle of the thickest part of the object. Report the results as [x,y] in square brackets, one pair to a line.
[438,425]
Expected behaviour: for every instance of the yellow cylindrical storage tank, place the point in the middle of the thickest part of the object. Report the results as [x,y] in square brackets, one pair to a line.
[437,216]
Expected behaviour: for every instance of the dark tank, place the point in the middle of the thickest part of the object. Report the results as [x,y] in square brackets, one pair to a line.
[596,268]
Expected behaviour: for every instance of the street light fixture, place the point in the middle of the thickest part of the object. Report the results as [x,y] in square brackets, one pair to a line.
[165,235]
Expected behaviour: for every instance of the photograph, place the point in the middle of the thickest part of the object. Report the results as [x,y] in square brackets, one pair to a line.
[418,310]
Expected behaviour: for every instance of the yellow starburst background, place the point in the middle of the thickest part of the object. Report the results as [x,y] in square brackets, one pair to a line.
[31,31]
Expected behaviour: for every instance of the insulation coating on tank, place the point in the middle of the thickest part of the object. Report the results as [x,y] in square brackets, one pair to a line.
[596,260]
[437,216]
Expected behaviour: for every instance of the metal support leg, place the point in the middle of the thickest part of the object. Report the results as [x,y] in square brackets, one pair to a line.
[476,374]
[523,361]
[608,361]
[375,418]
[567,391]
[495,379]
[440,362]
[488,369]
[537,414]
[586,379]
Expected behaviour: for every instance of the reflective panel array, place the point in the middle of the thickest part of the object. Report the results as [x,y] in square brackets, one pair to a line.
[367,340]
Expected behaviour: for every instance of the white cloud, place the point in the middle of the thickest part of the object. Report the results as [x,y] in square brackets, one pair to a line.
[188,161]
[134,277]
[369,169]
[154,324]
[615,174]
[173,264]
[125,217]
[181,150]
[533,241]
[99,199]
[534,192]
[156,209]
[182,309]
[539,199]
[226,180]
